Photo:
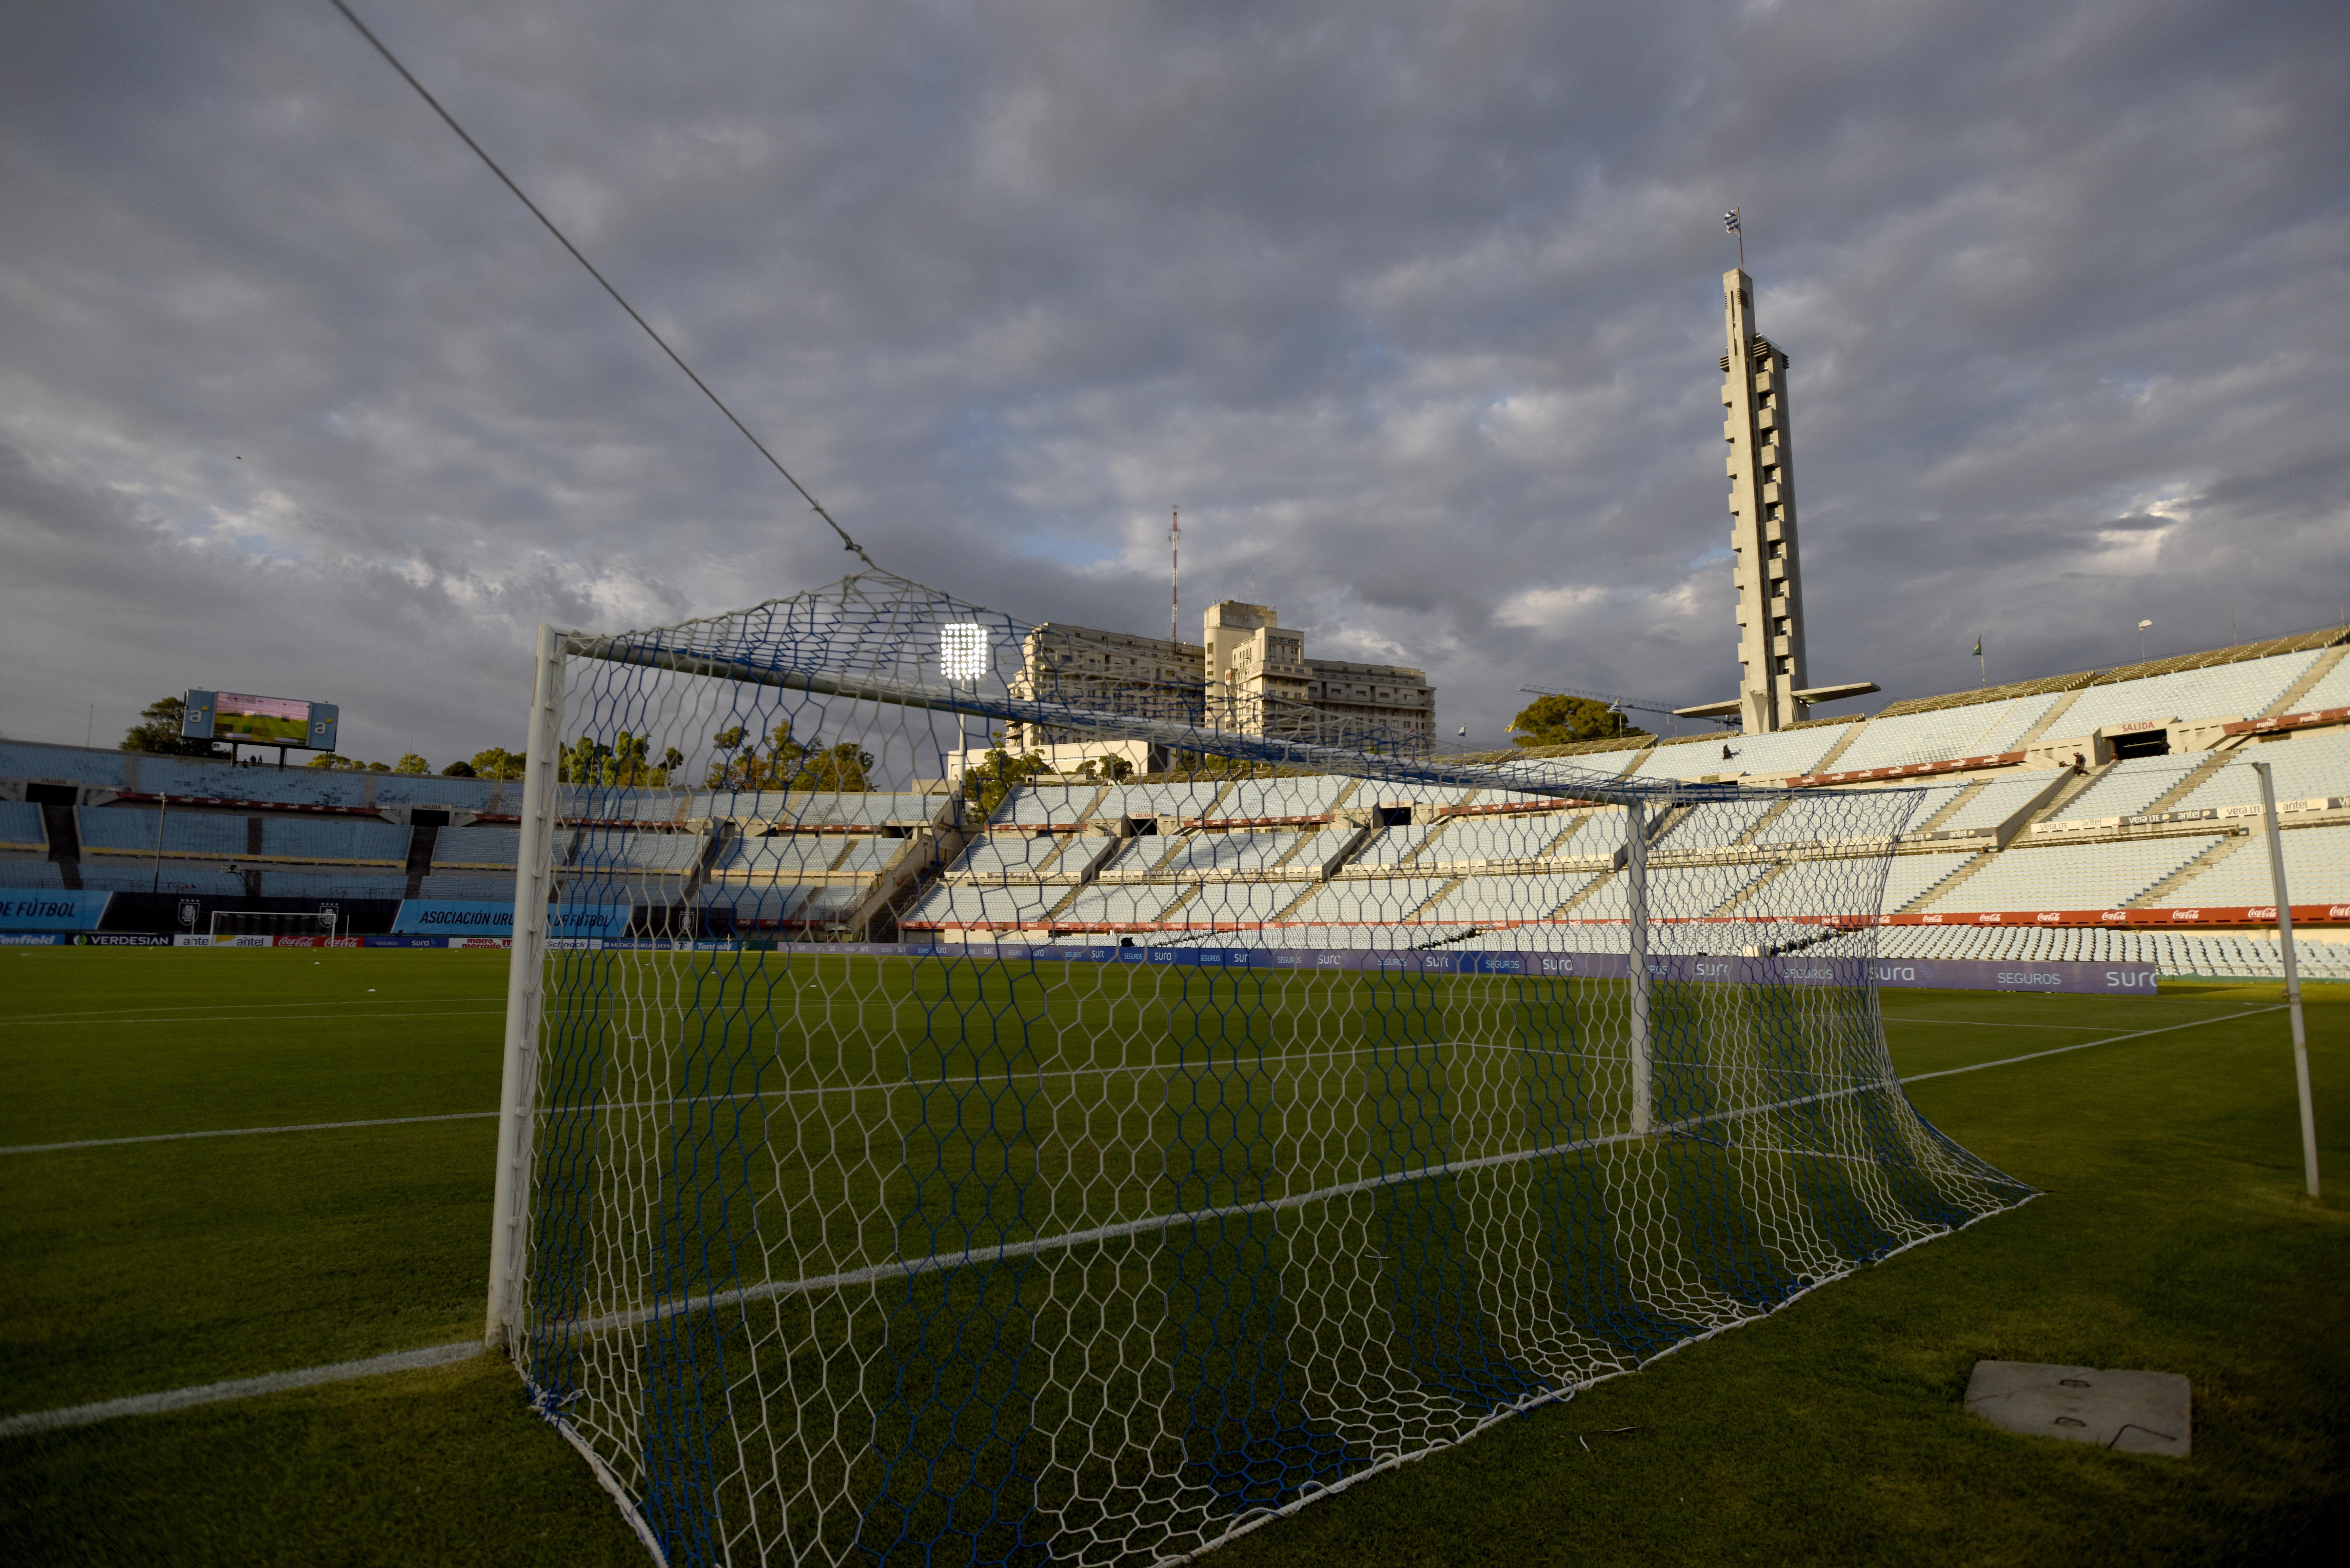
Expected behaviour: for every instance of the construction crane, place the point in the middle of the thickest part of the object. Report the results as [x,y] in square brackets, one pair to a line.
[1616,705]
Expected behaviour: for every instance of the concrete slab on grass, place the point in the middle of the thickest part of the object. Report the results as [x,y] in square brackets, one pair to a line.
[2137,1412]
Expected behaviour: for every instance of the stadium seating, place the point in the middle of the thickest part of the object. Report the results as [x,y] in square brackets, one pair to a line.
[174,878]
[2071,876]
[467,848]
[1019,853]
[1038,805]
[1974,729]
[61,765]
[1511,838]
[869,856]
[1115,905]
[1812,890]
[2001,799]
[24,872]
[2332,690]
[1185,798]
[1487,899]
[2316,871]
[1760,756]
[334,885]
[619,849]
[1253,902]
[130,830]
[1224,854]
[1390,846]
[21,827]
[330,842]
[2130,787]
[2180,952]
[1316,795]
[2225,692]
[469,889]
[2304,765]
[952,904]
[1387,898]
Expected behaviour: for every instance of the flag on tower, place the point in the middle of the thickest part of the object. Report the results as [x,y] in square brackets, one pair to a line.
[1730,221]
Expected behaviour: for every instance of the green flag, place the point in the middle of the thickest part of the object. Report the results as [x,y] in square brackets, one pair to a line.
[1977,647]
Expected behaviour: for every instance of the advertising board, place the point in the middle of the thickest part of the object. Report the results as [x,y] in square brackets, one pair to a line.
[459,917]
[23,910]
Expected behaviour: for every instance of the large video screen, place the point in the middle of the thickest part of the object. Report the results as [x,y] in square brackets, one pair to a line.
[259,720]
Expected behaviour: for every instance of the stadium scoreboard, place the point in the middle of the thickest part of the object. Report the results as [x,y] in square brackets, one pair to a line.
[260,721]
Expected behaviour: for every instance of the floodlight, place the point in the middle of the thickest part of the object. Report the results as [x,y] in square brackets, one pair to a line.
[962,651]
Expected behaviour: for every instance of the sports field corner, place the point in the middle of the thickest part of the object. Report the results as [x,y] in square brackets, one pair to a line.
[2171,1234]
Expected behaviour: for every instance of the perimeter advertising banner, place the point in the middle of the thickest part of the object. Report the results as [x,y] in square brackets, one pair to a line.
[458,918]
[21,910]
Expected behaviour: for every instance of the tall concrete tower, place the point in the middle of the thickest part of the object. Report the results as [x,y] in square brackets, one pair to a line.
[1765,559]
[1775,688]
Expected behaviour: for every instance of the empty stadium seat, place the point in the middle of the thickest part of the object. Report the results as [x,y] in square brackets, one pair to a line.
[2316,870]
[21,827]
[2224,692]
[2071,876]
[22,873]
[1972,730]
[463,848]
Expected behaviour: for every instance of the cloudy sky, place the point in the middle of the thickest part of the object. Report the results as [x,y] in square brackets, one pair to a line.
[1411,307]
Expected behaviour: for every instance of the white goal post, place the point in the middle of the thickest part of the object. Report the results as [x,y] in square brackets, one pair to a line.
[1031,1169]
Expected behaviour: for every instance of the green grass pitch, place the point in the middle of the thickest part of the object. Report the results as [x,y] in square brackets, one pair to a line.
[2173,1235]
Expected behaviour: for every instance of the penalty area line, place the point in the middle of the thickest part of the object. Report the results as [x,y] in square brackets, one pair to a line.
[236,1389]
[247,1132]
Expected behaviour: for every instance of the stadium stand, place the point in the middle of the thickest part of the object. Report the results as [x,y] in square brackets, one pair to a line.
[1977,730]
[1755,756]
[2071,876]
[2229,692]
[1221,857]
[21,827]
[2000,799]
[2305,766]
[2316,862]
[474,848]
[130,830]
[329,841]
[2130,787]
[468,889]
[173,878]
[2332,690]
[354,884]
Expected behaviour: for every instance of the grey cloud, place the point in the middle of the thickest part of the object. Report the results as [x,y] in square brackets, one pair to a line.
[1413,310]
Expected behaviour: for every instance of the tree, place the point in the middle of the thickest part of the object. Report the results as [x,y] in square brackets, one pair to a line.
[1110,769]
[1556,720]
[787,765]
[497,762]
[158,731]
[410,762]
[458,771]
[998,775]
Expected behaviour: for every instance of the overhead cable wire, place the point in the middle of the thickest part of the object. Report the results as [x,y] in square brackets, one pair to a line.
[507,180]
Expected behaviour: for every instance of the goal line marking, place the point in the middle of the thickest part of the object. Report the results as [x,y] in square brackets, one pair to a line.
[444,1355]
[236,1389]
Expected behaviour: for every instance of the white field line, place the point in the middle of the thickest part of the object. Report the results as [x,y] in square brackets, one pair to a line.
[245,1018]
[202,1006]
[439,1355]
[239,1388]
[891,1084]
[247,1132]
[2084,1044]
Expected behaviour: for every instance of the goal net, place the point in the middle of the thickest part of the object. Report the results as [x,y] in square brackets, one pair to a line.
[958,1163]
[274,923]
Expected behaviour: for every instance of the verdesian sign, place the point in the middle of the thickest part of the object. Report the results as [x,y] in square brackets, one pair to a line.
[260,721]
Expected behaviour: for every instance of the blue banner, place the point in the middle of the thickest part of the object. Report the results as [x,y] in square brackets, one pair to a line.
[27,912]
[456,918]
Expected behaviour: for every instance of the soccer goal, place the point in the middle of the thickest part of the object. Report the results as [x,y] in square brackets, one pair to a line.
[964,1164]
[273,924]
